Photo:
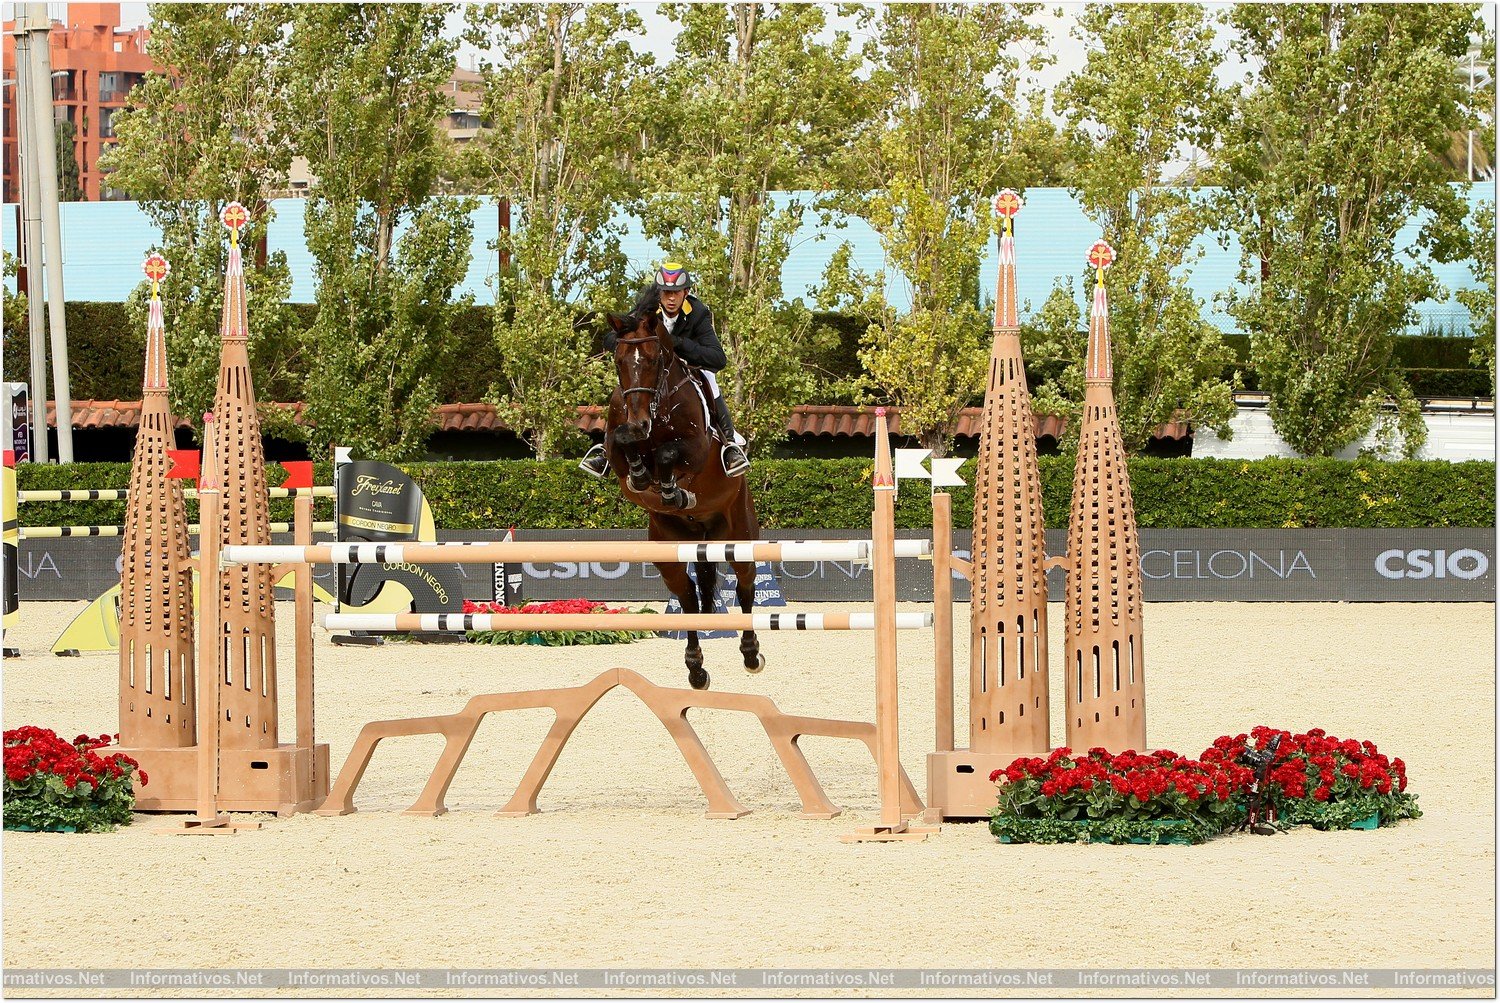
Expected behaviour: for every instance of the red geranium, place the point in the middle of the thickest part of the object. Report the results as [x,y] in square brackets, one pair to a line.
[55,784]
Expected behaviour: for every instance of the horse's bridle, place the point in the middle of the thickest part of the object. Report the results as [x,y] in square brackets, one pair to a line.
[660,391]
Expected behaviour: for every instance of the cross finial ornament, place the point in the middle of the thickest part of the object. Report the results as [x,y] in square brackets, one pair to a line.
[1007,204]
[234,217]
[156,267]
[1101,256]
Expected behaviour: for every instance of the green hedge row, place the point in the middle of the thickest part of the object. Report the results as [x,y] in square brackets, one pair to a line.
[832,494]
[106,357]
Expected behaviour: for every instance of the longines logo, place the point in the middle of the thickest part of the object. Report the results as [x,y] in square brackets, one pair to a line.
[1397,564]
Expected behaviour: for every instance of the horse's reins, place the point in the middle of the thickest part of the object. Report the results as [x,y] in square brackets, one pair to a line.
[659,392]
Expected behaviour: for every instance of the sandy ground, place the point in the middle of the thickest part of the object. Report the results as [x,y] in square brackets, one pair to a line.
[621,869]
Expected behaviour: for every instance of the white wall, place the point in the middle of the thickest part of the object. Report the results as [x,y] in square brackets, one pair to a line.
[1450,436]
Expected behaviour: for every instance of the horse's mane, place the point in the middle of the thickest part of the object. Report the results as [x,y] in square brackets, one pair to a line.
[646,304]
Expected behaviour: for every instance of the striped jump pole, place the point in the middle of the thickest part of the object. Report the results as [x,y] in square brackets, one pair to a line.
[120,494]
[543,552]
[63,532]
[545,622]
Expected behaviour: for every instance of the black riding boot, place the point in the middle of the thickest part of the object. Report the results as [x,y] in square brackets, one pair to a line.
[594,462]
[733,457]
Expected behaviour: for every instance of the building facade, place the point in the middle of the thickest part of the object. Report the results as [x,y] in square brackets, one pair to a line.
[95,63]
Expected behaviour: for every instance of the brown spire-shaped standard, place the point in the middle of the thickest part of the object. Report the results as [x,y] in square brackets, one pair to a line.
[1104,664]
[248,703]
[157,702]
[1008,706]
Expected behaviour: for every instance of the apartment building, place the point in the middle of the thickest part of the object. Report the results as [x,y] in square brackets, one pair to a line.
[95,63]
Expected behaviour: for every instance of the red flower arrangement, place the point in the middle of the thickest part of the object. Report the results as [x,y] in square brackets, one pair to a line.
[1324,781]
[55,785]
[557,637]
[1104,797]
[1315,779]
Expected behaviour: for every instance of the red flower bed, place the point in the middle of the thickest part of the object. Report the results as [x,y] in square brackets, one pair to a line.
[1327,782]
[551,637]
[56,785]
[1104,797]
[556,606]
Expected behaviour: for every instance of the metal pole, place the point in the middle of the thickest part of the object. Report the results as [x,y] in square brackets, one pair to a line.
[46,164]
[31,233]
[1470,162]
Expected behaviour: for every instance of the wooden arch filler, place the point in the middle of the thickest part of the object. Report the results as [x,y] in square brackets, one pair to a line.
[571,705]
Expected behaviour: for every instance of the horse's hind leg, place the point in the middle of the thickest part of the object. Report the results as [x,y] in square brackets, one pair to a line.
[707,574]
[744,591]
[676,577]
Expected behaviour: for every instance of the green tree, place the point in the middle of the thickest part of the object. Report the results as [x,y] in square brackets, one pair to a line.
[562,93]
[195,138]
[366,99]
[1146,95]
[15,302]
[759,99]
[1334,145]
[946,137]
[69,181]
[1480,300]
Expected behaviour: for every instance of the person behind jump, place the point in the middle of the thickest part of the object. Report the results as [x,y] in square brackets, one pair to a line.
[691,325]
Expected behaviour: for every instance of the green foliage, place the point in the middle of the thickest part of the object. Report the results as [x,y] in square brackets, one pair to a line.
[830,494]
[941,143]
[1146,91]
[563,97]
[208,133]
[1480,300]
[365,92]
[69,181]
[1333,146]
[737,117]
[15,316]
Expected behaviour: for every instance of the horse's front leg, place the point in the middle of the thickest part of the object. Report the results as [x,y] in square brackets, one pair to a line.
[673,495]
[676,577]
[636,471]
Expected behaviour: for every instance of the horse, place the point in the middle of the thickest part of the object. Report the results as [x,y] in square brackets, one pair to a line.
[661,448]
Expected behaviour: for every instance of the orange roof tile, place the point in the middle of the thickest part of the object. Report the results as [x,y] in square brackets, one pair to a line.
[832,420]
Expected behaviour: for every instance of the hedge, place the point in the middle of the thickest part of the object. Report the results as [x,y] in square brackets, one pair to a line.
[829,494]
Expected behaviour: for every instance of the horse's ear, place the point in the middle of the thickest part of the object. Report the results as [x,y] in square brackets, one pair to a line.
[618,323]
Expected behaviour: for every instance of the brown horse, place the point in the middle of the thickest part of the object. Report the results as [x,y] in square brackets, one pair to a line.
[660,445]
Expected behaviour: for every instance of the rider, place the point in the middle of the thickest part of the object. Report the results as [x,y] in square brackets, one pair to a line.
[691,325]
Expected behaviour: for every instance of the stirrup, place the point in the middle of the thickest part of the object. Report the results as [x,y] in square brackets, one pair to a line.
[594,462]
[736,467]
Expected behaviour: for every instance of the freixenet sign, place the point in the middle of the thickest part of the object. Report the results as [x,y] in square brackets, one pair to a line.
[1226,565]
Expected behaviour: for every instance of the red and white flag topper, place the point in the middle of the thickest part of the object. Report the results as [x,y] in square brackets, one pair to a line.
[1008,203]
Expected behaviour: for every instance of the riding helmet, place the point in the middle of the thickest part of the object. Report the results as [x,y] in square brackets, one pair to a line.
[673,275]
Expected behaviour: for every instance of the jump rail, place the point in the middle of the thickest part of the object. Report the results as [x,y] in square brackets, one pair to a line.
[616,621]
[59,532]
[120,494]
[496,553]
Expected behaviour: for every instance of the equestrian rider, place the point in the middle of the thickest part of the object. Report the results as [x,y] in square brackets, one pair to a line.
[691,325]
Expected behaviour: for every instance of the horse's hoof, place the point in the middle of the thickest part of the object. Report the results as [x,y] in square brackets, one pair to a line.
[698,678]
[756,666]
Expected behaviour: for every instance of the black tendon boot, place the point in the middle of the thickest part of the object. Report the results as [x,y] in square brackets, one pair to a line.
[733,457]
